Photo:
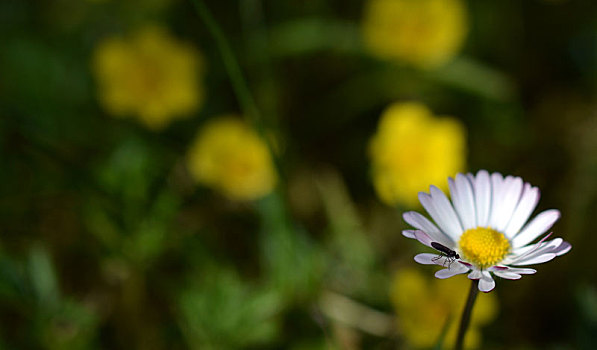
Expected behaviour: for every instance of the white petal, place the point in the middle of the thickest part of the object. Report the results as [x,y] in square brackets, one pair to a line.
[526,205]
[540,224]
[455,269]
[428,259]
[511,273]
[507,275]
[468,265]
[529,251]
[538,254]
[463,198]
[517,270]
[563,248]
[516,252]
[525,251]
[423,238]
[475,275]
[422,223]
[496,199]
[535,259]
[522,271]
[482,197]
[512,189]
[486,283]
[497,268]
[442,212]
[550,246]
[408,233]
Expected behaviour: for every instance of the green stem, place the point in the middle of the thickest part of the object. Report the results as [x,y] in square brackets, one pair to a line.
[466,314]
[239,84]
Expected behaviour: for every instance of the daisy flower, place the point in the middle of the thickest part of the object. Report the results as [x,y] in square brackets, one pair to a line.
[486,225]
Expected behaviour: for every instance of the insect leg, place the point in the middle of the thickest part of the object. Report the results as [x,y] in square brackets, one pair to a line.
[441,255]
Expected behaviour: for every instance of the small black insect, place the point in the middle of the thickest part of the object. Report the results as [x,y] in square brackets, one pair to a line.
[450,255]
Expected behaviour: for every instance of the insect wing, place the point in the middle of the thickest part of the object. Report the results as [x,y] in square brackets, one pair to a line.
[442,248]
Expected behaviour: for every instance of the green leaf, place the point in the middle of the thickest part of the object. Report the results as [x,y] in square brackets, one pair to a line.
[222,312]
[291,261]
[43,279]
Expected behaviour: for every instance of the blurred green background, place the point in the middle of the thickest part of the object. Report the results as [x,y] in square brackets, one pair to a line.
[109,240]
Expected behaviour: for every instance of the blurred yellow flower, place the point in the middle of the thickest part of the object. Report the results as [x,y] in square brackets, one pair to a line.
[412,149]
[423,306]
[150,75]
[230,157]
[425,33]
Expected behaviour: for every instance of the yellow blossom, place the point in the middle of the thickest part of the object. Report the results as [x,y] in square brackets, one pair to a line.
[425,33]
[149,75]
[423,306]
[230,157]
[413,149]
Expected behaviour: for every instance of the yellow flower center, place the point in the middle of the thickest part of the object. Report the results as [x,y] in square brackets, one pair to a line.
[484,246]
